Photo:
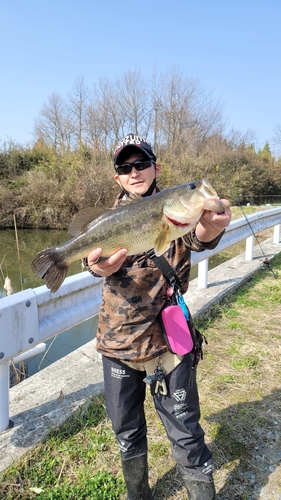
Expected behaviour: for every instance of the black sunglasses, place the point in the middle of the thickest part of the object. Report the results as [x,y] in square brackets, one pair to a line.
[126,168]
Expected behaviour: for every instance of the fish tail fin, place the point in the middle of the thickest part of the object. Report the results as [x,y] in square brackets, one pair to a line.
[50,267]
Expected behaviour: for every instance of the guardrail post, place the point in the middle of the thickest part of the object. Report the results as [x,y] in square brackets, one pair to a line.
[276,234]
[4,395]
[203,273]
[249,248]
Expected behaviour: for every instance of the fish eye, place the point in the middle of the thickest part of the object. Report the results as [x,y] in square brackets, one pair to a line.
[192,185]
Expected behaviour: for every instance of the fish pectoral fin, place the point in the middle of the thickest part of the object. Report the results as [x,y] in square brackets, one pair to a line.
[83,218]
[162,242]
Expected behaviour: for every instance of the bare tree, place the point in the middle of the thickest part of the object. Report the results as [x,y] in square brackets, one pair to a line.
[277,136]
[176,107]
[176,111]
[207,120]
[188,114]
[236,139]
[95,127]
[53,124]
[156,91]
[111,113]
[134,100]
[78,102]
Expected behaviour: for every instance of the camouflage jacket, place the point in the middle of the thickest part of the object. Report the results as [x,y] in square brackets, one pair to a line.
[133,297]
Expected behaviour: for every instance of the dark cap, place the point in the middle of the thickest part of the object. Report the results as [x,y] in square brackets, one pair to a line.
[131,144]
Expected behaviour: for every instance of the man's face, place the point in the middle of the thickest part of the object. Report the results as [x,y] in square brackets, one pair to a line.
[138,181]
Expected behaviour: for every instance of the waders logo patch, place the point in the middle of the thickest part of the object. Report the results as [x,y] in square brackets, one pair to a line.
[118,373]
[180,410]
[179,395]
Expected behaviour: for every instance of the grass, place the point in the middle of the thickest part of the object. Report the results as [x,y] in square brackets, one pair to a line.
[240,391]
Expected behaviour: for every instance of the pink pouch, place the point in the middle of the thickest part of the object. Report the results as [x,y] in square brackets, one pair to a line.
[176,330]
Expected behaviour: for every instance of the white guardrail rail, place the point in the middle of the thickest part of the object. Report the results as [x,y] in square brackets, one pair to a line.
[30,317]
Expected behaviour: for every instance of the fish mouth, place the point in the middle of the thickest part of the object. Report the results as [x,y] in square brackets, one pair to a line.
[176,222]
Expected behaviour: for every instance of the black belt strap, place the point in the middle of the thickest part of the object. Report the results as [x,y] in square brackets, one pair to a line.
[166,268]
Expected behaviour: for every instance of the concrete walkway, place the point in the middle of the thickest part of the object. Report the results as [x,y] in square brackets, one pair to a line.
[49,397]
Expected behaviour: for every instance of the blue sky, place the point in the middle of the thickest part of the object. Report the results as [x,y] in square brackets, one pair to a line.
[232,47]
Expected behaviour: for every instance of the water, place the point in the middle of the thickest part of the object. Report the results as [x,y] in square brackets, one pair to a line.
[22,277]
[30,242]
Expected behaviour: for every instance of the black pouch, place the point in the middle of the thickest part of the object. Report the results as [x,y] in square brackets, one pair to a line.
[197,336]
[198,339]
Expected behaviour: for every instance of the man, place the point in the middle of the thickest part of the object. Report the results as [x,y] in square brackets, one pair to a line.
[130,339]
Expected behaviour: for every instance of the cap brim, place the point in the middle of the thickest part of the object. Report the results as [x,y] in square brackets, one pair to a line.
[126,152]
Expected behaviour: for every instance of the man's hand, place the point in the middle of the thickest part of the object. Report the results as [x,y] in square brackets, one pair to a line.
[108,266]
[212,224]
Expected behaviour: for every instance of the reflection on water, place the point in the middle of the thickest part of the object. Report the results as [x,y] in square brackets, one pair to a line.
[22,277]
[30,242]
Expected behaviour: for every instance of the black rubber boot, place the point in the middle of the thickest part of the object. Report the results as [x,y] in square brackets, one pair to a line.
[135,471]
[199,486]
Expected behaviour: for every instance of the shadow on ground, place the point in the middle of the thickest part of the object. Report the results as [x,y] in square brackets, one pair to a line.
[247,453]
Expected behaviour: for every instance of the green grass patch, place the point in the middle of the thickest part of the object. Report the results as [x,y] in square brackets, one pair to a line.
[245,362]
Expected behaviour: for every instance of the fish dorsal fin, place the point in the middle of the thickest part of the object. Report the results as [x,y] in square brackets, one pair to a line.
[130,199]
[162,243]
[83,218]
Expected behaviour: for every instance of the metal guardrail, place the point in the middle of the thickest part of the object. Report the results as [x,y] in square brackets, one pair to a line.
[241,229]
[32,316]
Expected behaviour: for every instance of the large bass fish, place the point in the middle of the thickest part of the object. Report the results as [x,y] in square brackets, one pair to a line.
[138,224]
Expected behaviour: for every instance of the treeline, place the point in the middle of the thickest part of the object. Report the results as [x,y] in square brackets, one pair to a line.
[69,165]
